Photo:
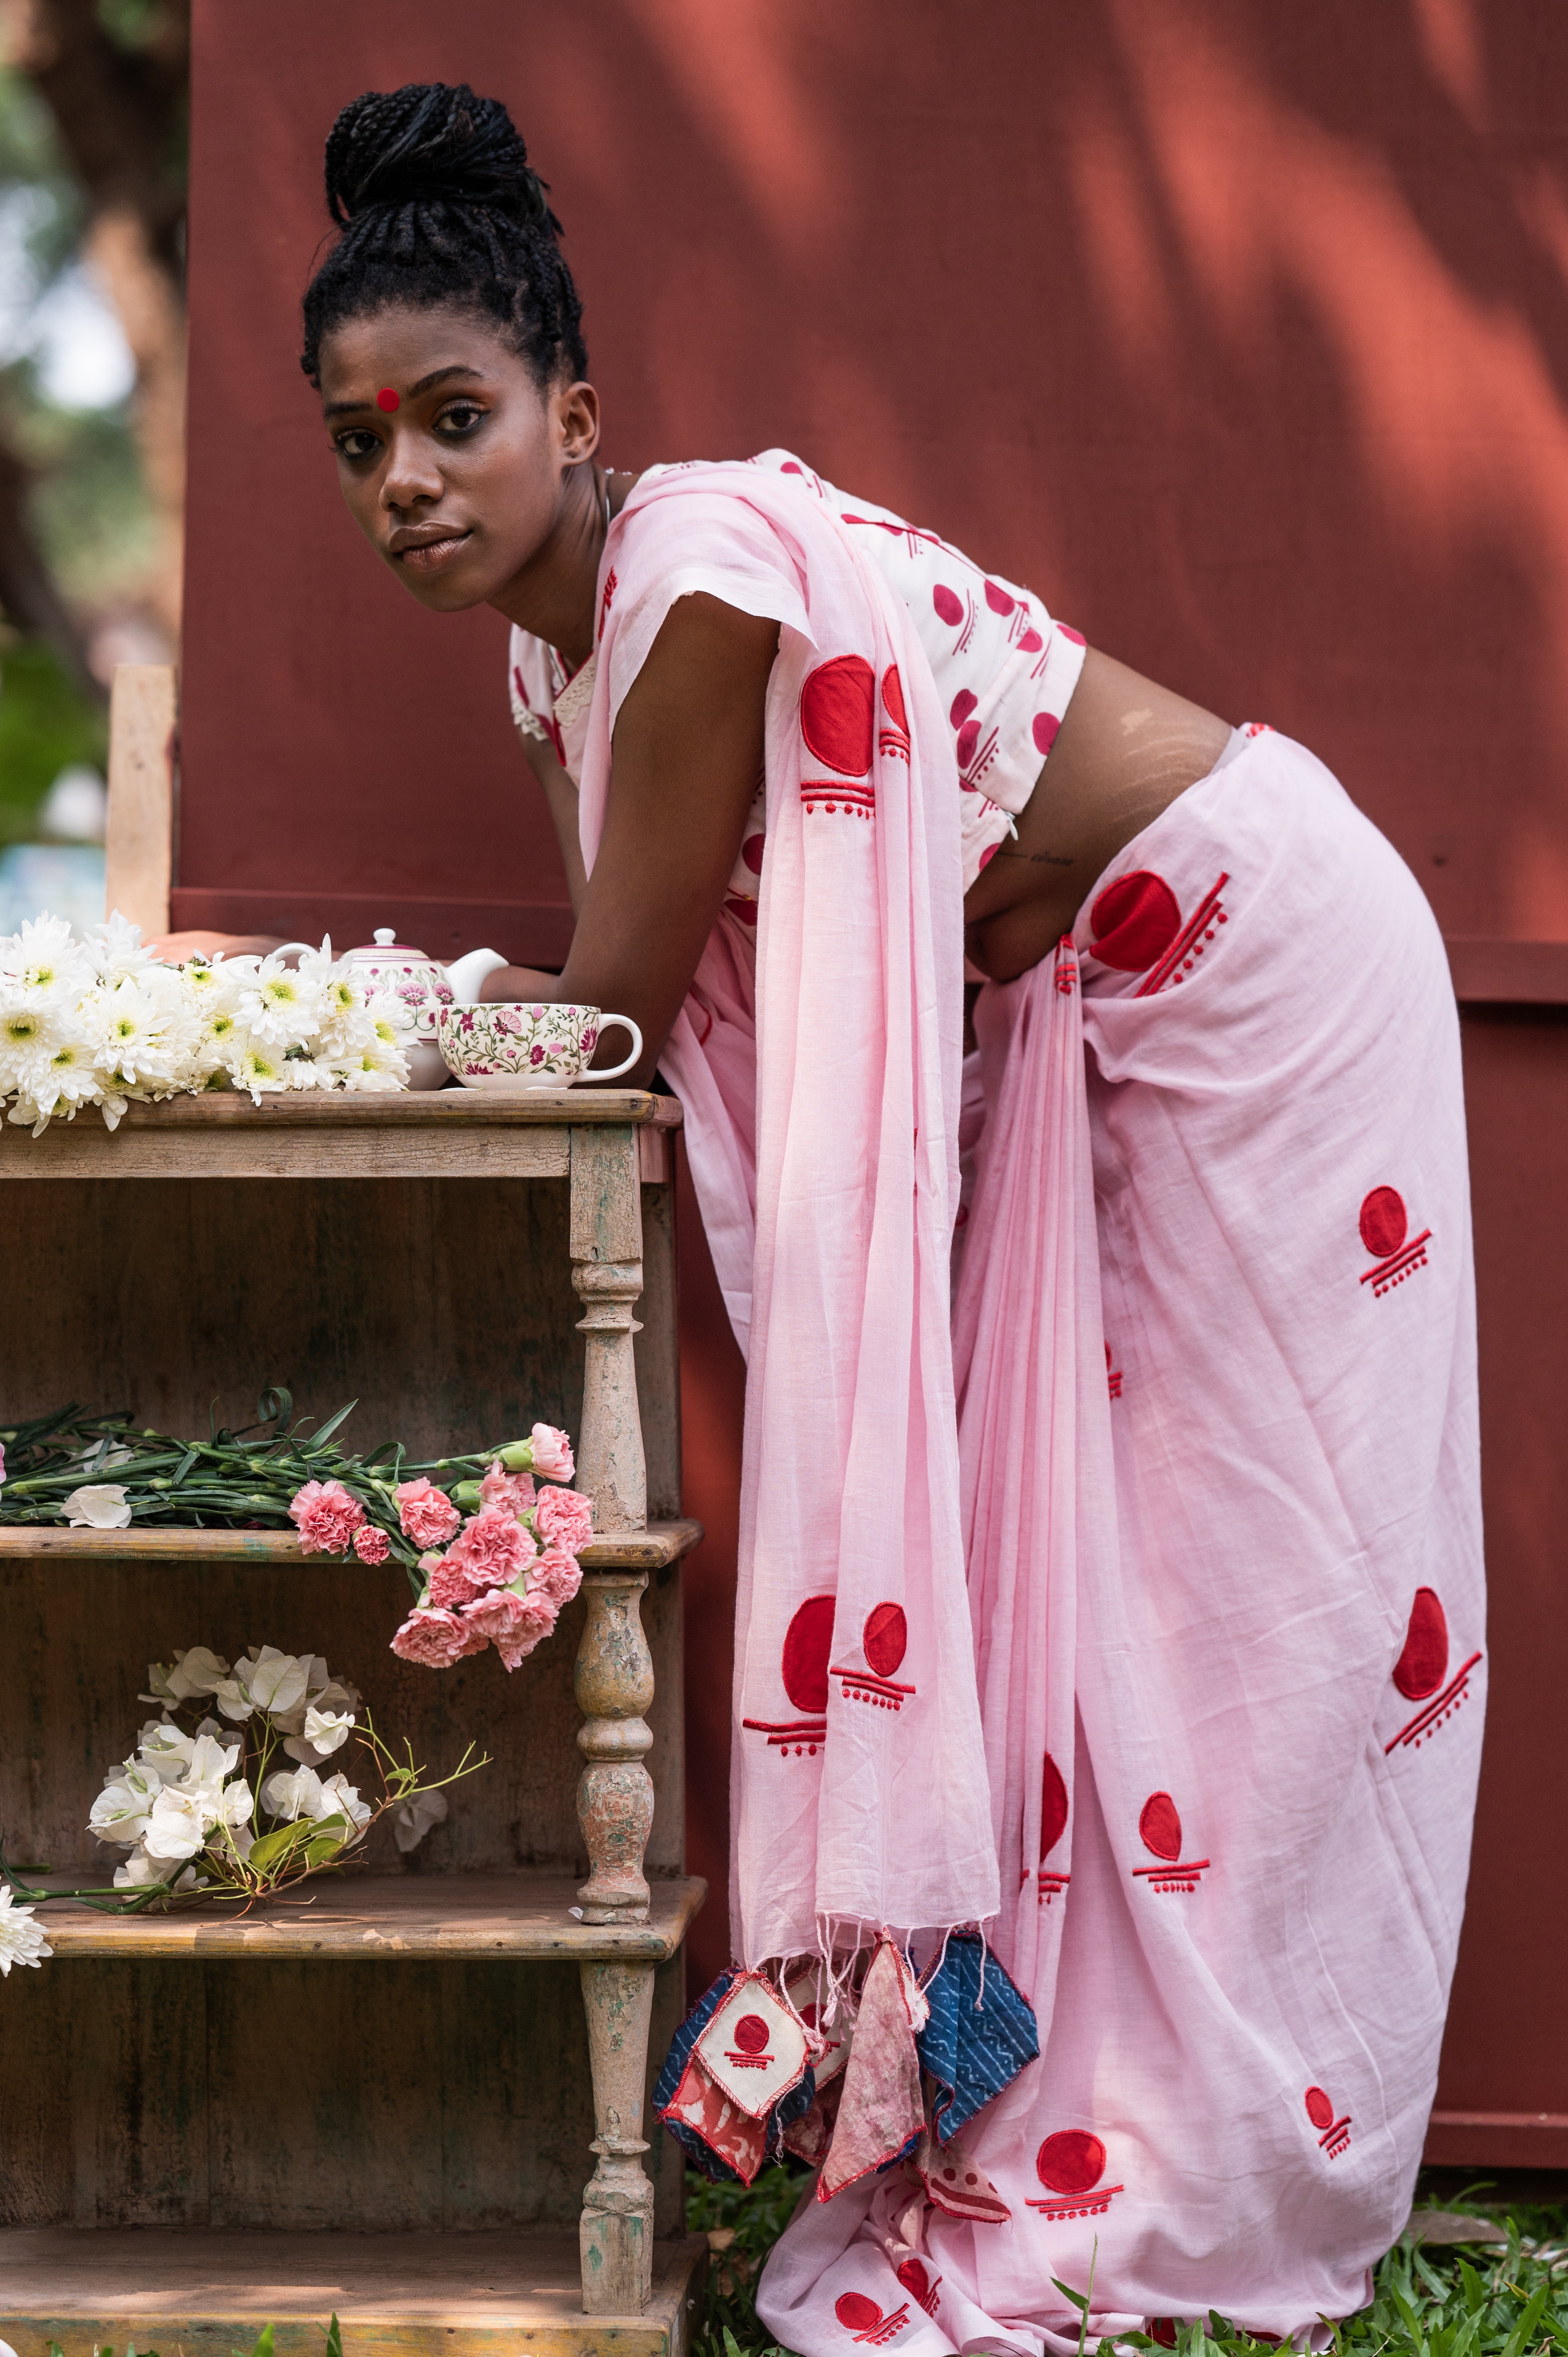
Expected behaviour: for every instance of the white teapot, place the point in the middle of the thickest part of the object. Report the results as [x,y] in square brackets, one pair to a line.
[424,986]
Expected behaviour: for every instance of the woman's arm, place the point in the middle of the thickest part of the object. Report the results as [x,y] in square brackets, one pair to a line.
[687,754]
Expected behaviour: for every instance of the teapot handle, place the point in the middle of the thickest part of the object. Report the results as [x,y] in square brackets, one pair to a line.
[467,973]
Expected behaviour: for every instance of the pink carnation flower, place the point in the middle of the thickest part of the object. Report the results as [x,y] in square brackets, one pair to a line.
[451,1585]
[427,1514]
[553,1453]
[436,1639]
[371,1545]
[563,1518]
[327,1517]
[515,1622]
[512,1490]
[493,1548]
[556,1577]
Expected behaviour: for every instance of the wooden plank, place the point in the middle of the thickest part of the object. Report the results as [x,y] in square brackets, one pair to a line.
[434,1109]
[421,2295]
[523,1917]
[80,1149]
[606,1270]
[658,1351]
[1491,971]
[142,751]
[652,1549]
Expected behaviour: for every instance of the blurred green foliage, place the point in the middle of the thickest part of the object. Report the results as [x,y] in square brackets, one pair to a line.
[44,725]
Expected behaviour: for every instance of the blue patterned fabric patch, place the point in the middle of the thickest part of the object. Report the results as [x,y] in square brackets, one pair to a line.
[975,2043]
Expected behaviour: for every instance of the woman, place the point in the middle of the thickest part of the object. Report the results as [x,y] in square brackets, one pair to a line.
[1201,1437]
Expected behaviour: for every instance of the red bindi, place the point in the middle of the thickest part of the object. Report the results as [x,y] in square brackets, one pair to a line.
[387,399]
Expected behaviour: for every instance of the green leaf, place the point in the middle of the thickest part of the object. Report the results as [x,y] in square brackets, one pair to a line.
[334,2337]
[263,2347]
[1080,2300]
[318,1439]
[268,1853]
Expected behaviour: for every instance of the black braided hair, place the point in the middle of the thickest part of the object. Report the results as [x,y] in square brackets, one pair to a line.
[438,204]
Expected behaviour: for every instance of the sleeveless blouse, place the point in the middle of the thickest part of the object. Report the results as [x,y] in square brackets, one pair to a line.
[1005,672]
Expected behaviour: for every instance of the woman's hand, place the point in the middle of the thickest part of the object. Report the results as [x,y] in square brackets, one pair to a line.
[176,948]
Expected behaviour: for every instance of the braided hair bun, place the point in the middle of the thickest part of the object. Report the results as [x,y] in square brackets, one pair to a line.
[438,204]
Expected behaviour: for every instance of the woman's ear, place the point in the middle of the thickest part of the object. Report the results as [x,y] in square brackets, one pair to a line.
[574,409]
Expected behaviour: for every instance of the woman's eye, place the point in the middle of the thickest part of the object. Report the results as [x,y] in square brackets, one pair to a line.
[461,418]
[356,444]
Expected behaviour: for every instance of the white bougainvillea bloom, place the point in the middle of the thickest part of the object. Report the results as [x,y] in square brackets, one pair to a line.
[326,1731]
[197,1671]
[412,1820]
[341,1799]
[100,1506]
[276,1681]
[22,1939]
[292,1793]
[120,1813]
[161,1741]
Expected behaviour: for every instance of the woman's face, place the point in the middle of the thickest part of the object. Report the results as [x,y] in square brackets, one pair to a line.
[452,460]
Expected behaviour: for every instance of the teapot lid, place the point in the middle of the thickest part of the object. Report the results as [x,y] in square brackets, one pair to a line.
[384,946]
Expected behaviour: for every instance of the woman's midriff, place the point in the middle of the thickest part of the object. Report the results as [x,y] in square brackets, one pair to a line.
[1127,749]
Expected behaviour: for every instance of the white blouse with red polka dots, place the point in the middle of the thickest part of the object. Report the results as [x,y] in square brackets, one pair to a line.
[1005,671]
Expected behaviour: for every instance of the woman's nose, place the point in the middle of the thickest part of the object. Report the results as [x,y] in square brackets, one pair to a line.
[411,474]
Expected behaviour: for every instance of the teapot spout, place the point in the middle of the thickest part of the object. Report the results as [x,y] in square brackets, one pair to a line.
[467,973]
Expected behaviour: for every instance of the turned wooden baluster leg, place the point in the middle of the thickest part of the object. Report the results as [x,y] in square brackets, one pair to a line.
[616,2230]
[615,1807]
[606,1270]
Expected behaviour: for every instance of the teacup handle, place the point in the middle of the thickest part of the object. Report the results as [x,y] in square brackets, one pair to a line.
[615,1070]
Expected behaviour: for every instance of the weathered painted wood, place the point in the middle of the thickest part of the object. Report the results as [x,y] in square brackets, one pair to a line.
[143,729]
[618,2206]
[613,1685]
[657,1353]
[442,1110]
[606,1270]
[481,2294]
[475,1150]
[356,1918]
[652,1549]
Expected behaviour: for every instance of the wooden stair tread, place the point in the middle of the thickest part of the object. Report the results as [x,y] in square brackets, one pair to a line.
[522,1918]
[425,2291]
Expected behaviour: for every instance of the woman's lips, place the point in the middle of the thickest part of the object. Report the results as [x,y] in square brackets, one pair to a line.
[430,556]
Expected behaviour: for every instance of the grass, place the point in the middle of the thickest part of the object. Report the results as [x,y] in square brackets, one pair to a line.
[1432,2300]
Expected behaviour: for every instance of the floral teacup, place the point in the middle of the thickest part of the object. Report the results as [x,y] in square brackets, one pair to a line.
[506,1045]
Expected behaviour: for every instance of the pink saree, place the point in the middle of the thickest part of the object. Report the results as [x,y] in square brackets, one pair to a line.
[1205,1437]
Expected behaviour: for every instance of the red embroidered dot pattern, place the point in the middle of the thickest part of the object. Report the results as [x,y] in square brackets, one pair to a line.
[803,1668]
[1069,2165]
[917,2282]
[884,1640]
[1336,2132]
[1137,928]
[1159,1830]
[1421,1669]
[864,2321]
[1384,1224]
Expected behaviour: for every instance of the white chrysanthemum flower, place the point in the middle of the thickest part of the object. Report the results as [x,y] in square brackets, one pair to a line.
[44,963]
[371,1071]
[22,1941]
[280,1006]
[260,1068]
[115,949]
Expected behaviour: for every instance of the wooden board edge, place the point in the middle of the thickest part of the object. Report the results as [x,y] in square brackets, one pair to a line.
[650,1549]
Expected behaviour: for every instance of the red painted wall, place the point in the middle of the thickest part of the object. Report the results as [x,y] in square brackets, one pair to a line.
[1238,332]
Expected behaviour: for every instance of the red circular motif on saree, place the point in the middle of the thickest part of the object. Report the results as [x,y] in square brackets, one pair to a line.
[884,1639]
[1134,921]
[387,399]
[1030,643]
[1070,2161]
[963,704]
[1419,1669]
[913,2277]
[948,608]
[1160,1826]
[856,2313]
[1053,1809]
[837,710]
[751,852]
[968,738]
[751,2033]
[1044,730]
[1319,2110]
[893,698]
[808,1641]
[1384,1223]
[998,601]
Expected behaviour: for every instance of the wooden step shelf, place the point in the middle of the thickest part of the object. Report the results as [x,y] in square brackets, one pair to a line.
[410,2083]
[526,1918]
[206,2294]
